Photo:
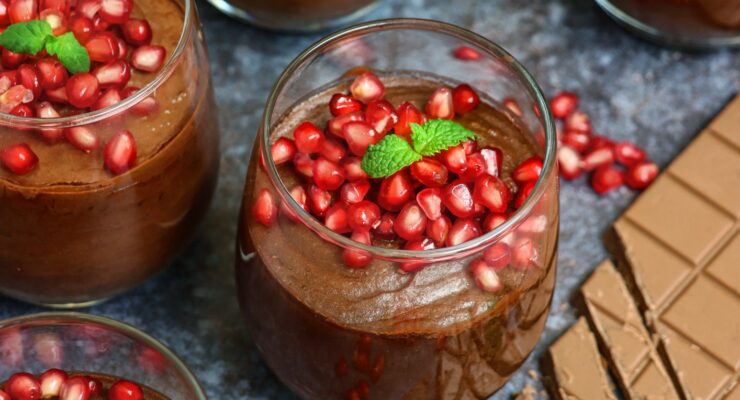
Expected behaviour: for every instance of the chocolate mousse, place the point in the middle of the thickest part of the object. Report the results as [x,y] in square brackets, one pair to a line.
[107,205]
[336,323]
[56,384]
[299,14]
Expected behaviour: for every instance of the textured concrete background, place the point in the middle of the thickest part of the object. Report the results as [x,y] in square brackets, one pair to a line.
[633,90]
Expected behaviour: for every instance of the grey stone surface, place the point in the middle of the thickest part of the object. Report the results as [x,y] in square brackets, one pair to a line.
[633,90]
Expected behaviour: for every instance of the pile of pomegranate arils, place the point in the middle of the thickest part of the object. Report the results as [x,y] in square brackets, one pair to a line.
[444,200]
[56,384]
[40,86]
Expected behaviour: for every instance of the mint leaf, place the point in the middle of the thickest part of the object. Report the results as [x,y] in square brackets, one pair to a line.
[69,52]
[437,135]
[388,156]
[26,37]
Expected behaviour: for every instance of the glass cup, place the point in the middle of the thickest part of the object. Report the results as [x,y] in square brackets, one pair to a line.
[88,344]
[75,230]
[295,15]
[328,331]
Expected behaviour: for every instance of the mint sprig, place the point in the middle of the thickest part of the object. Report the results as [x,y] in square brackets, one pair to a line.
[30,37]
[394,153]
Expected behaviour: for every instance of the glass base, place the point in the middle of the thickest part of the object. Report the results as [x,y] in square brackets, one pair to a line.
[74,306]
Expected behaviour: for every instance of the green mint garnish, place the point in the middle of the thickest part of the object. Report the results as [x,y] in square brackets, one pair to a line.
[31,37]
[394,153]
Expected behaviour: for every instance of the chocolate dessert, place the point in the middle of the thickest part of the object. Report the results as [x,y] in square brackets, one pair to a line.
[336,323]
[299,14]
[104,206]
[56,384]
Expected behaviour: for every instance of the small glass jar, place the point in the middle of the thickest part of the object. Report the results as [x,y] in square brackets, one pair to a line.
[330,332]
[296,15]
[101,347]
[74,230]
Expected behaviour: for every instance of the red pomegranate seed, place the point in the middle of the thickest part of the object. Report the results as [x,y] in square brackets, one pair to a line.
[523,194]
[494,159]
[125,390]
[52,74]
[82,27]
[462,230]
[395,191]
[298,193]
[120,152]
[4,396]
[367,87]
[337,123]
[458,198]
[440,104]
[148,58]
[455,159]
[485,276]
[579,141]
[476,166]
[523,253]
[606,179]
[513,106]
[303,164]
[563,104]
[4,21]
[319,200]
[569,162]
[497,256]
[23,386]
[23,110]
[12,60]
[115,11]
[578,121]
[83,138]
[264,209]
[341,104]
[466,53]
[58,5]
[628,154]
[88,8]
[411,222]
[356,258]
[407,114]
[529,170]
[51,382]
[493,221]
[641,175]
[46,110]
[101,25]
[493,193]
[363,215]
[420,244]
[597,158]
[327,175]
[353,169]
[114,74]
[337,218]
[430,201]
[19,159]
[82,90]
[383,229]
[600,142]
[57,96]
[96,387]
[354,192]
[55,19]
[8,79]
[28,77]
[14,97]
[22,10]
[359,136]
[465,99]
[137,32]
[438,229]
[381,116]
[103,47]
[308,138]
[333,150]
[283,150]
[470,146]
[109,98]
[143,108]
[429,172]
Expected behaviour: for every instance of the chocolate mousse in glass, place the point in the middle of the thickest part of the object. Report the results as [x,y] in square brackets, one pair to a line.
[104,176]
[432,281]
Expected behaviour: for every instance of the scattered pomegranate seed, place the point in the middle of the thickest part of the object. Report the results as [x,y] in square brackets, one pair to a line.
[498,255]
[46,110]
[137,32]
[569,162]
[597,158]
[298,193]
[303,164]
[125,390]
[341,104]
[529,170]
[606,179]
[319,200]
[359,136]
[308,138]
[455,159]
[466,53]
[12,60]
[51,382]
[23,386]
[52,74]
[283,150]
[115,11]
[458,198]
[407,114]
[494,159]
[383,229]
[264,209]
[356,258]
[327,175]
[333,150]
[641,175]
[438,229]
[82,90]
[395,191]
[120,152]
[354,192]
[579,141]
[22,10]
[523,194]
[513,106]
[429,172]
[493,221]
[96,387]
[563,104]
[28,77]
[462,230]
[19,159]
[363,215]
[465,99]
[148,58]
[420,244]
[337,123]
[430,201]
[411,222]
[599,142]
[103,47]
[83,138]
[143,108]
[485,276]
[353,169]
[82,27]
[628,154]
[381,116]
[367,87]
[493,193]
[440,104]
[578,121]
[336,218]
[114,74]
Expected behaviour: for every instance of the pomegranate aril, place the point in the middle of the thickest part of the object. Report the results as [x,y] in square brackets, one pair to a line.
[493,193]
[116,11]
[337,219]
[46,110]
[466,53]
[298,193]
[264,209]
[12,60]
[513,106]
[529,170]
[429,172]
[430,201]
[578,121]
[485,276]
[354,192]
[282,151]
[455,159]
[57,5]
[476,166]
[29,77]
[470,146]
[83,138]
[149,105]
[303,164]
[353,169]
[606,179]
[458,199]
[4,21]
[125,390]
[8,79]
[96,387]
[23,110]
[383,228]
[103,47]
[641,175]
[597,158]
[440,104]
[319,200]
[381,116]
[57,96]
[82,90]
[438,229]
[523,253]
[52,74]
[23,386]
[82,27]
[419,244]
[494,159]
[327,175]
[563,104]
[356,258]
[569,162]
[114,74]
[367,87]
[464,99]
[493,221]
[628,154]
[308,138]
[88,8]
[359,136]
[579,141]
[411,222]
[599,142]
[148,58]
[333,150]
[341,104]
[407,114]
[523,194]
[461,231]
[498,255]
[14,97]
[55,19]
[120,152]
[22,10]
[395,191]
[363,215]
[4,395]
[337,123]
[51,382]
[137,32]
[109,98]
[19,159]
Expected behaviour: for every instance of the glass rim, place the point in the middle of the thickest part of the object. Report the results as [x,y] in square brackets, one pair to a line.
[91,117]
[439,254]
[133,332]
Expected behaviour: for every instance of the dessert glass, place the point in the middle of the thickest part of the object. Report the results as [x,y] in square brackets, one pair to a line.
[328,331]
[72,232]
[295,15]
[84,343]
